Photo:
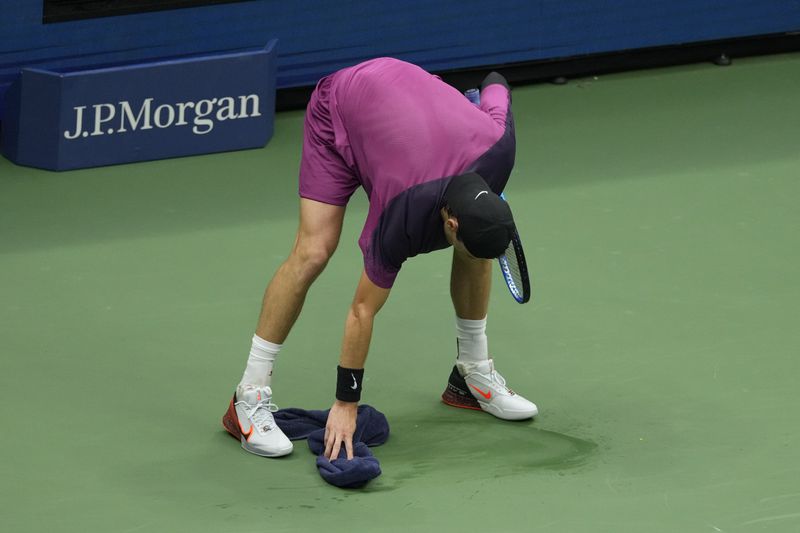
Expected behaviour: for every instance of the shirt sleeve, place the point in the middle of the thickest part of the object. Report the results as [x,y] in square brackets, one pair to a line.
[496,98]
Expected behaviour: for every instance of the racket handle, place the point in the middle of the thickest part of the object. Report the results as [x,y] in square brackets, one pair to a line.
[474,96]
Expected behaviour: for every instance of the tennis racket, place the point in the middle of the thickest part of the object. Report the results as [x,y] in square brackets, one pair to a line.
[512,262]
[515,269]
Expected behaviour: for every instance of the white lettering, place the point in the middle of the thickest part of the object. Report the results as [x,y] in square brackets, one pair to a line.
[127,113]
[203,115]
[99,119]
[227,109]
[203,108]
[182,106]
[243,103]
[78,124]
[157,117]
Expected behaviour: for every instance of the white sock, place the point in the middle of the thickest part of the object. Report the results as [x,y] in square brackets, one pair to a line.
[259,365]
[473,346]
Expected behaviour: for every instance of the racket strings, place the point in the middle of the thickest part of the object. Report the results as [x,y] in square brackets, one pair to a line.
[513,265]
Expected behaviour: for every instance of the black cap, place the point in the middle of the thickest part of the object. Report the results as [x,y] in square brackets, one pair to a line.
[485,222]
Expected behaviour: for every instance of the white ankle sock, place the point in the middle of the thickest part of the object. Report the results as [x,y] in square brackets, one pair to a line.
[473,346]
[259,365]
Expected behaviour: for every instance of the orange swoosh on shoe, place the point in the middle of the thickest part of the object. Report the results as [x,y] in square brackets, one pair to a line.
[487,395]
[246,435]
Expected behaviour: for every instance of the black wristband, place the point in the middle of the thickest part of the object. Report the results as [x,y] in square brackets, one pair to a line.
[349,384]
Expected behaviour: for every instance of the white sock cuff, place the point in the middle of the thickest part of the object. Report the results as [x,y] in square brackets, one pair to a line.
[263,349]
[473,346]
[258,371]
[466,326]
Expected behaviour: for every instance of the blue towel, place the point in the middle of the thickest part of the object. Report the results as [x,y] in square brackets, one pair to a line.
[372,429]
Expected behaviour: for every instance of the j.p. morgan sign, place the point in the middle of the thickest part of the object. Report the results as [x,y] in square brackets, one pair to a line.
[149,111]
[122,117]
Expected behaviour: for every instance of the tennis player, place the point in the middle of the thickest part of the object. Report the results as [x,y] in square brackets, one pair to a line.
[432,165]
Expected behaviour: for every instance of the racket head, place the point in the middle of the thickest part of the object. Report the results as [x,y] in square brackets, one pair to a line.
[515,270]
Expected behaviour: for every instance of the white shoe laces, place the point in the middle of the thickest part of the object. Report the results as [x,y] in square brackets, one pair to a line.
[495,377]
[260,415]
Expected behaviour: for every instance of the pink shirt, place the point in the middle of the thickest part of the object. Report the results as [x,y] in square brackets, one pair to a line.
[402,133]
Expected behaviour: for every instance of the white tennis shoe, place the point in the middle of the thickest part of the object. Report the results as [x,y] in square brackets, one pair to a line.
[480,386]
[249,419]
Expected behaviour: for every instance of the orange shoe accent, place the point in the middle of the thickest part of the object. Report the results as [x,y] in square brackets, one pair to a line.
[460,405]
[465,401]
[232,425]
[487,395]
[231,422]
[245,435]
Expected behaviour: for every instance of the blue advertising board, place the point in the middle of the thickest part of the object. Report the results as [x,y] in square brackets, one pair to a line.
[156,110]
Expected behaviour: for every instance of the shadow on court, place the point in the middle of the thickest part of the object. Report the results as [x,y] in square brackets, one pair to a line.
[470,448]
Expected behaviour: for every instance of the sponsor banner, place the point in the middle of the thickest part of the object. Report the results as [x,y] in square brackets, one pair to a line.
[206,104]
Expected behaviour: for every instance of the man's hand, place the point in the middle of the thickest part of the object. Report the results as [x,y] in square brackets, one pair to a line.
[340,428]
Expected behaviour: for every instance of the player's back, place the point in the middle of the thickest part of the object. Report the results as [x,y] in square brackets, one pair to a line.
[399,126]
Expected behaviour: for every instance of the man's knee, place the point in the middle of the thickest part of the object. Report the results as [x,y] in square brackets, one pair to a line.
[317,238]
[311,257]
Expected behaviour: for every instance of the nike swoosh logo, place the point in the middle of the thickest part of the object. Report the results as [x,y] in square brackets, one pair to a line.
[355,383]
[487,395]
[246,435]
[482,192]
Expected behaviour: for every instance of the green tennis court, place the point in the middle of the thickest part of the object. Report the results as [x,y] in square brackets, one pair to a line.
[660,214]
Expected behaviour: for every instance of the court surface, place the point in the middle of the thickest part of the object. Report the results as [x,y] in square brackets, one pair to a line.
[660,214]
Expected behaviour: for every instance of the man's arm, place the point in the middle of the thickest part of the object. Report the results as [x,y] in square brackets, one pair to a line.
[368,300]
[496,97]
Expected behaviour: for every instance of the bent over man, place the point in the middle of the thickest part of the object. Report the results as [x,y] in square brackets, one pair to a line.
[432,165]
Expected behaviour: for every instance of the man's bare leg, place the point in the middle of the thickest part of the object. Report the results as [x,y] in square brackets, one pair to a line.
[474,383]
[249,417]
[317,238]
[470,284]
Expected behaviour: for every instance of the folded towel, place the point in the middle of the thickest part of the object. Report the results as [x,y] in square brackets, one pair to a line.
[353,473]
[372,429]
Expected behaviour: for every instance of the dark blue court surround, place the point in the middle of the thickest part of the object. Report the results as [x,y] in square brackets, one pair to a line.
[318,37]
